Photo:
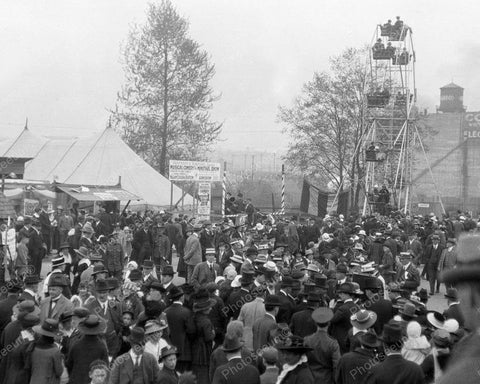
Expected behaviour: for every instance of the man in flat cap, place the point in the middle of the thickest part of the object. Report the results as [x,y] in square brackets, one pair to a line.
[324,357]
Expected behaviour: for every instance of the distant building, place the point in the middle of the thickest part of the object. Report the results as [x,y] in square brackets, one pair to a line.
[453,151]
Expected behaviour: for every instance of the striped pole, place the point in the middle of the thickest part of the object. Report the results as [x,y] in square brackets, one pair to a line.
[283,189]
[224,187]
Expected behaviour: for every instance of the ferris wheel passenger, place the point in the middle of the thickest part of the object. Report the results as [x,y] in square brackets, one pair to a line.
[390,50]
[387,28]
[378,46]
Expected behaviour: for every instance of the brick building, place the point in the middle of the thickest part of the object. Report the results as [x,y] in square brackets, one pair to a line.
[453,151]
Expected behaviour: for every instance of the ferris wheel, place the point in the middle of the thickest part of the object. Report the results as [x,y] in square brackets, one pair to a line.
[391,115]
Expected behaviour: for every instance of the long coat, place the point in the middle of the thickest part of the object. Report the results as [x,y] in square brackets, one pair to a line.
[340,324]
[384,310]
[202,274]
[113,320]
[46,363]
[349,369]
[78,362]
[182,328]
[236,372]
[63,305]
[432,258]
[6,306]
[302,323]
[193,250]
[395,370]
[122,371]
[300,375]
[261,331]
[249,313]
[202,345]
[323,360]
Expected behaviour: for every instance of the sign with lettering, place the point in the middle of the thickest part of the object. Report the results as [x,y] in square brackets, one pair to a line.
[205,200]
[180,170]
[471,125]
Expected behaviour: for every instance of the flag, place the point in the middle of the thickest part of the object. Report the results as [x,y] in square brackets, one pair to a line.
[313,200]
[316,202]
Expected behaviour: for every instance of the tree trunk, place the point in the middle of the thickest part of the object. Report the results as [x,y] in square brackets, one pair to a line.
[163,153]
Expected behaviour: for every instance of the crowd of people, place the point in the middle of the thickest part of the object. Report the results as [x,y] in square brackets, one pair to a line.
[159,298]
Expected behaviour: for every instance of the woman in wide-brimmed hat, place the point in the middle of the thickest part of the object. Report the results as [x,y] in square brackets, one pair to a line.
[295,369]
[154,343]
[202,344]
[44,362]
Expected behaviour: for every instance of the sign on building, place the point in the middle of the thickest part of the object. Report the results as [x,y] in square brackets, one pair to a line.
[205,200]
[180,170]
[471,126]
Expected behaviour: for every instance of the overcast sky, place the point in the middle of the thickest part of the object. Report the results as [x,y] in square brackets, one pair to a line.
[60,59]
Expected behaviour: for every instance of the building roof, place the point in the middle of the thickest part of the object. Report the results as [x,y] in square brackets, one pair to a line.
[451,86]
[97,160]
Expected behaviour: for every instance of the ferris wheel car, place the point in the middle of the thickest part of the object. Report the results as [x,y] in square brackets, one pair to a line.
[402,59]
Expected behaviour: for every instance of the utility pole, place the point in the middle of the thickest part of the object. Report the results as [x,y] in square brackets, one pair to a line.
[253,164]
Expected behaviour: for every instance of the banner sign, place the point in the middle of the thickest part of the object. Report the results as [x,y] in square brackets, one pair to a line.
[471,125]
[29,206]
[205,200]
[180,170]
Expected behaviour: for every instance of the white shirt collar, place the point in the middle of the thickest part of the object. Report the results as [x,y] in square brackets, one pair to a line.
[134,357]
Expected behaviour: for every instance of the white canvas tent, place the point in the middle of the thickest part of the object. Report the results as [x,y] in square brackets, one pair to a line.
[98,160]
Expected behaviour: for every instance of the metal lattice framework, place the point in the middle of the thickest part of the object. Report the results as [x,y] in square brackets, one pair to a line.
[391,114]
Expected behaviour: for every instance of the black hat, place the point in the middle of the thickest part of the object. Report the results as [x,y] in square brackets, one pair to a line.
[167,351]
[81,312]
[175,293]
[155,284]
[112,282]
[48,328]
[203,304]
[287,281]
[135,275]
[57,280]
[188,288]
[423,294]
[63,246]
[372,283]
[273,300]
[92,325]
[99,268]
[65,316]
[252,251]
[31,280]
[137,336]
[314,297]
[320,281]
[168,270]
[346,288]
[370,339]
[101,285]
[452,294]
[148,264]
[232,343]
[293,344]
[392,332]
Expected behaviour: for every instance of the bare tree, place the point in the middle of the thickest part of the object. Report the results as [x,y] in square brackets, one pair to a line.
[326,124]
